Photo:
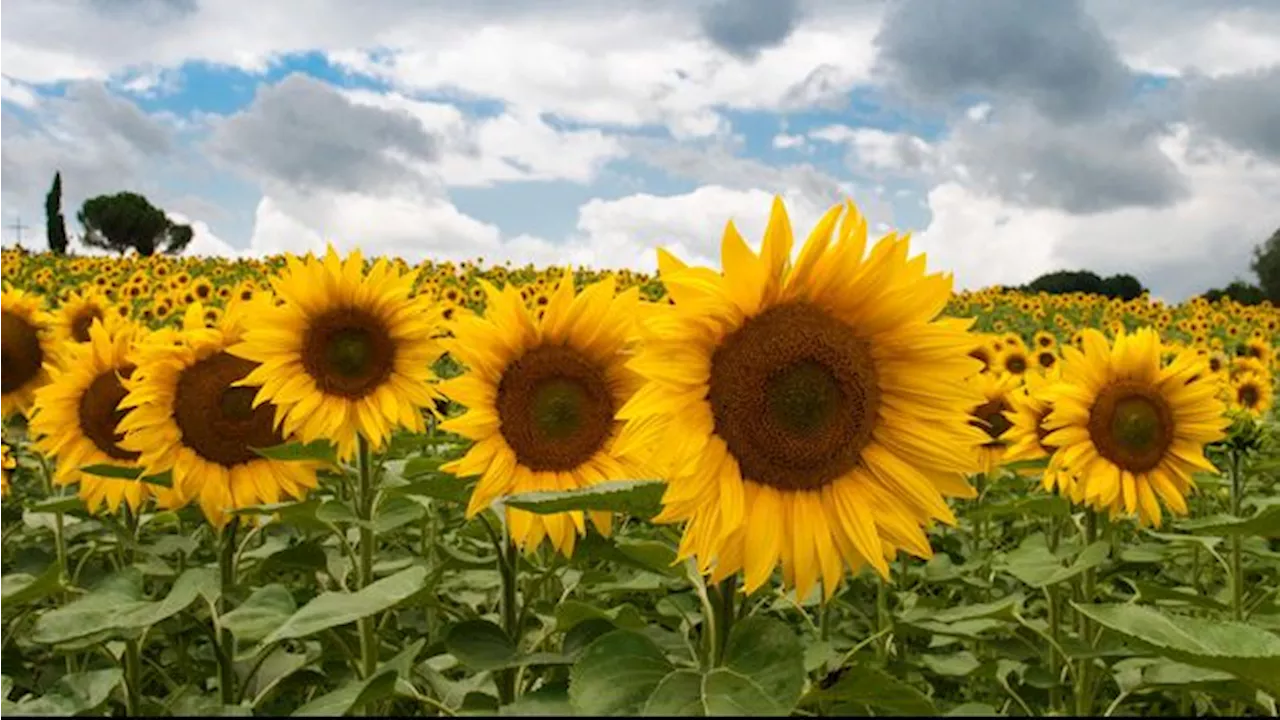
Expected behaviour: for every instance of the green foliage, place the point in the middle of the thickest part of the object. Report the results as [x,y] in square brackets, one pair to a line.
[1239,291]
[55,226]
[1266,265]
[128,221]
[1123,286]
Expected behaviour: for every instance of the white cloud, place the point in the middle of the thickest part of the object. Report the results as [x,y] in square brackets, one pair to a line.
[1179,250]
[1205,36]
[783,141]
[17,93]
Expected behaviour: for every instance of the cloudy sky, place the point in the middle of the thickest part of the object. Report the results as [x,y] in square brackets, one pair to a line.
[1010,137]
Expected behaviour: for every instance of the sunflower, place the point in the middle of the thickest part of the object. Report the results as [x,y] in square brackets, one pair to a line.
[25,346]
[1252,392]
[1131,429]
[76,420]
[7,465]
[1026,433]
[988,415]
[1014,360]
[541,399]
[190,416]
[812,416]
[346,353]
[1258,349]
[1046,360]
[72,319]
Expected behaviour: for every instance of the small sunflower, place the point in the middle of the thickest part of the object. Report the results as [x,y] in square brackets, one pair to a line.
[989,415]
[26,345]
[1014,360]
[190,415]
[77,312]
[1026,434]
[541,398]
[1131,429]
[76,420]
[1046,360]
[810,415]
[1253,393]
[7,465]
[346,354]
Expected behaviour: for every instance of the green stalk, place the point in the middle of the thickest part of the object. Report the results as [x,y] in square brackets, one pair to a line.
[1088,581]
[59,535]
[226,641]
[364,507]
[1237,556]
[883,620]
[508,564]
[727,591]
[133,678]
[1055,620]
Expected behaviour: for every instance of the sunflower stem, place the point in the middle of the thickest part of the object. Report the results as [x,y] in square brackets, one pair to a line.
[364,507]
[508,564]
[883,620]
[226,641]
[1088,579]
[133,678]
[726,592]
[1237,556]
[59,535]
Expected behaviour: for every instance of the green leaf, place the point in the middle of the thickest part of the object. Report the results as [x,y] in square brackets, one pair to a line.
[678,694]
[1150,591]
[74,693]
[641,498]
[437,486]
[358,693]
[118,605]
[1266,523]
[546,701]
[957,665]
[1003,609]
[396,512]
[763,671]
[878,692]
[1033,564]
[64,504]
[973,710]
[617,674]
[481,645]
[21,589]
[1035,506]
[1250,653]
[316,451]
[118,472]
[265,610]
[333,609]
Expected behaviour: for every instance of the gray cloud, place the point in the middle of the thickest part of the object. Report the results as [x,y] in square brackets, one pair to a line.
[1087,167]
[304,133]
[745,27]
[1243,109]
[1051,54]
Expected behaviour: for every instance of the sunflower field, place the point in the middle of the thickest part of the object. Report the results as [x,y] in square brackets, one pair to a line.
[815,482]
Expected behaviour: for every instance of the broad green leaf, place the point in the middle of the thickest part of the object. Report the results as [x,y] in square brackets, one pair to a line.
[437,486]
[481,645]
[878,692]
[763,671]
[265,610]
[1033,506]
[1250,653]
[1167,672]
[118,605]
[1266,523]
[1033,564]
[21,589]
[117,472]
[679,694]
[1150,591]
[957,665]
[973,710]
[546,701]
[358,693]
[641,498]
[64,504]
[333,609]
[395,512]
[74,693]
[316,451]
[617,674]
[1003,609]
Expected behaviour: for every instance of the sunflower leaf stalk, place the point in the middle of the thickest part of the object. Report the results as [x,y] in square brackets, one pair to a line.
[226,641]
[1088,579]
[365,502]
[1237,555]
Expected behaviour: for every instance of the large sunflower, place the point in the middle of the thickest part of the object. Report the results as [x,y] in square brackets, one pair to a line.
[345,353]
[1130,429]
[1026,433]
[76,420]
[189,415]
[541,397]
[812,415]
[25,346]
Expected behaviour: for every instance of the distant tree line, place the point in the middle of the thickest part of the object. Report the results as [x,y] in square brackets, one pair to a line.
[118,223]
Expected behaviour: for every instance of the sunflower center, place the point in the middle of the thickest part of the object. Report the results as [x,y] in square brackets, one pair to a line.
[794,395]
[1131,425]
[1047,360]
[99,414]
[83,321]
[217,420]
[348,352]
[555,408]
[1248,396]
[990,417]
[20,353]
[1016,363]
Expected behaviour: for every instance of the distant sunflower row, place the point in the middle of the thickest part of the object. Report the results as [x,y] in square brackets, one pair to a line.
[810,411]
